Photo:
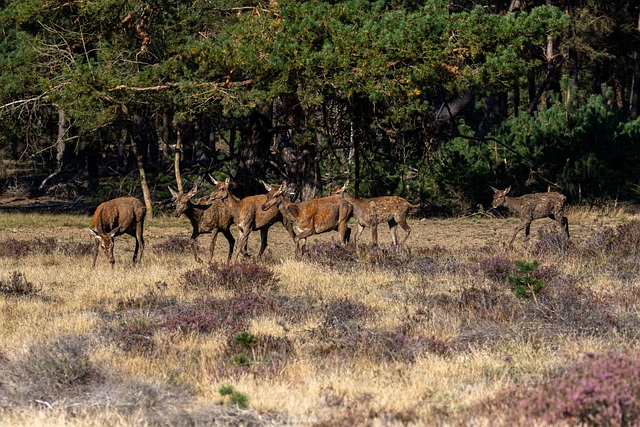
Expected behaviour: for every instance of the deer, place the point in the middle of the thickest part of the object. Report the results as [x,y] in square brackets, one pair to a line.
[310,217]
[206,218]
[370,212]
[248,215]
[530,207]
[124,215]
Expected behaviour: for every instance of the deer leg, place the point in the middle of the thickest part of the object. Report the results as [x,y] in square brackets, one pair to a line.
[407,229]
[194,246]
[393,227]
[232,242]
[140,241]
[356,238]
[264,233]
[95,253]
[212,245]
[565,225]
[523,224]
[242,242]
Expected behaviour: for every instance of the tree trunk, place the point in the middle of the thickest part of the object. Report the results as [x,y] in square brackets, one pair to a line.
[253,152]
[176,161]
[62,150]
[143,179]
[634,105]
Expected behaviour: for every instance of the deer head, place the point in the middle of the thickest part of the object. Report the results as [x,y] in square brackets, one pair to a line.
[220,190]
[499,196]
[275,195]
[106,242]
[182,200]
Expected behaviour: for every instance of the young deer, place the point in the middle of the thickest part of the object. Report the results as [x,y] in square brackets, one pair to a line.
[310,217]
[124,215]
[248,215]
[370,212]
[206,217]
[530,207]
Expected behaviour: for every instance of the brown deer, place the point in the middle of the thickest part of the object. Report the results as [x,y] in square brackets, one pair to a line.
[530,207]
[370,212]
[206,217]
[248,215]
[124,215]
[310,217]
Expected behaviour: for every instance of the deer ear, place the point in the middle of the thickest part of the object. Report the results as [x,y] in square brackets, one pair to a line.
[193,191]
[174,193]
[506,190]
[94,234]
[227,181]
[495,190]
[114,231]
[266,186]
[213,180]
[283,186]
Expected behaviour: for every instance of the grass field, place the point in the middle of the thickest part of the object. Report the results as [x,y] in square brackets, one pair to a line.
[434,334]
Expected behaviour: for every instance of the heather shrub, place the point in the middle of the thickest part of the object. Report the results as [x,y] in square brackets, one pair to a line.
[76,249]
[191,320]
[395,257]
[551,242]
[496,268]
[332,254]
[173,245]
[600,390]
[135,334]
[52,369]
[337,312]
[233,313]
[12,248]
[624,240]
[17,285]
[153,297]
[240,276]
[262,356]
[45,246]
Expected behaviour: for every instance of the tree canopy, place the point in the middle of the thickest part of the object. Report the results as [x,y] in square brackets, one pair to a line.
[433,100]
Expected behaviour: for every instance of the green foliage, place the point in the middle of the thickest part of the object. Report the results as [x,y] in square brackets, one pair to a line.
[524,285]
[234,396]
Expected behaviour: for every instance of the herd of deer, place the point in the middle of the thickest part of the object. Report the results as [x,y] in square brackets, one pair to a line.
[217,212]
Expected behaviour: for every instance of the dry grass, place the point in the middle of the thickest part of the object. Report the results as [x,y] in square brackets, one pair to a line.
[431,335]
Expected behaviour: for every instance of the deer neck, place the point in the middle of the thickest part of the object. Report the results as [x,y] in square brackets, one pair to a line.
[233,204]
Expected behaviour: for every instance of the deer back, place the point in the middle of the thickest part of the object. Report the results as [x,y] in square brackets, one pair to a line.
[536,205]
[123,212]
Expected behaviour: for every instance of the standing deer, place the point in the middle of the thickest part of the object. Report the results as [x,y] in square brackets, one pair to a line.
[248,215]
[310,217]
[530,207]
[206,217]
[124,215]
[370,212]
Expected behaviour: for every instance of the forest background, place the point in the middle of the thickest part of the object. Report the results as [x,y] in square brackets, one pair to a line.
[432,100]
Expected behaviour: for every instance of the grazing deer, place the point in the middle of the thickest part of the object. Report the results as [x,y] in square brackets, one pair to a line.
[206,217]
[248,215]
[310,217]
[124,215]
[530,207]
[370,212]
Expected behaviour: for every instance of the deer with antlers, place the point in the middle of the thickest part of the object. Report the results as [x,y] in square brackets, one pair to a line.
[310,217]
[370,212]
[124,215]
[531,207]
[248,215]
[206,217]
